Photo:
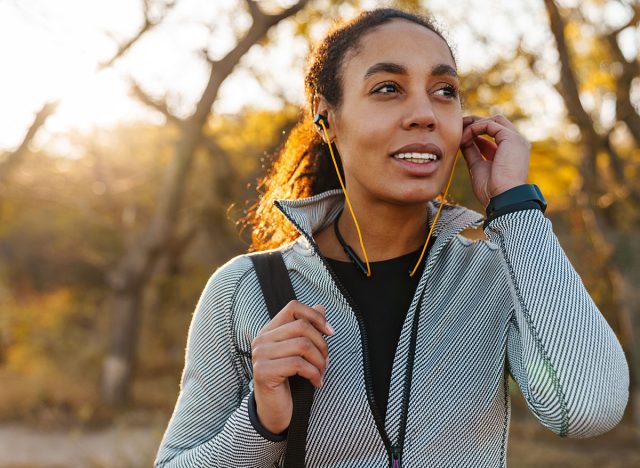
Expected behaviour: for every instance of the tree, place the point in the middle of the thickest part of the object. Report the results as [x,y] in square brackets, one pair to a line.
[605,187]
[132,273]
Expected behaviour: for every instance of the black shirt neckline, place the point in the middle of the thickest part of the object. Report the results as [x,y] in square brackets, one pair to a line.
[399,259]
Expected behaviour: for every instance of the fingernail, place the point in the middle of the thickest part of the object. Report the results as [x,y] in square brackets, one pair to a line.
[330,329]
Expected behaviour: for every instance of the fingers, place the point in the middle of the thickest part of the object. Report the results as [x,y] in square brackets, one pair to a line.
[499,118]
[301,347]
[290,331]
[292,343]
[485,127]
[471,153]
[486,147]
[296,310]
[281,369]
[474,126]
[499,128]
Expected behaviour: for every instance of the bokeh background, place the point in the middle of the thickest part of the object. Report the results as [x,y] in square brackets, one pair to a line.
[132,134]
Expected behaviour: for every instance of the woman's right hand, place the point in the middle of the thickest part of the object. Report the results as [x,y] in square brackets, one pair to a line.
[291,343]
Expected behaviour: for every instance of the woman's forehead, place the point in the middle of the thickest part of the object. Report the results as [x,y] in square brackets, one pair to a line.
[398,41]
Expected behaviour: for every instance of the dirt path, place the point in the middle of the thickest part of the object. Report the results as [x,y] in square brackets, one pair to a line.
[530,445]
[114,447]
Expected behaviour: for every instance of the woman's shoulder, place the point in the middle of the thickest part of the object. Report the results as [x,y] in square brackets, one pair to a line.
[237,273]
[231,272]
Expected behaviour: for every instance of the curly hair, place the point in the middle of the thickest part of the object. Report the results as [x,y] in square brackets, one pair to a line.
[303,167]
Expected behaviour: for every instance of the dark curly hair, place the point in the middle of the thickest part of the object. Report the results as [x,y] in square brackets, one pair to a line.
[303,167]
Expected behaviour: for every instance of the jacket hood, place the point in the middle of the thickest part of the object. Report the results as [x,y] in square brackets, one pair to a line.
[312,214]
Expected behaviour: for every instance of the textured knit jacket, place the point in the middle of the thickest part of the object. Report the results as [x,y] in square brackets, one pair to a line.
[483,309]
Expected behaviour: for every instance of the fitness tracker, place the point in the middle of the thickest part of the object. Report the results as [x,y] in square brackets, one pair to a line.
[522,197]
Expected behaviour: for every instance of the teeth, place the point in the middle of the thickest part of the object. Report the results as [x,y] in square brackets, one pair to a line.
[416,157]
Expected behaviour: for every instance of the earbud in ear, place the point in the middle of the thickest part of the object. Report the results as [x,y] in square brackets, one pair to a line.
[318,118]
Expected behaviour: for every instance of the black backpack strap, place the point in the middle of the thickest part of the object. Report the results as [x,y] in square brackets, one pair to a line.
[278,291]
[274,280]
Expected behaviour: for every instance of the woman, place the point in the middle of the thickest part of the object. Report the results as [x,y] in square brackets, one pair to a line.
[420,345]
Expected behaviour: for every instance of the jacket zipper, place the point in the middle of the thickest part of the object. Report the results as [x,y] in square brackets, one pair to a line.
[394,451]
[396,457]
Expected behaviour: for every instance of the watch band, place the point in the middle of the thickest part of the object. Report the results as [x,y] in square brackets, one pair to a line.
[521,197]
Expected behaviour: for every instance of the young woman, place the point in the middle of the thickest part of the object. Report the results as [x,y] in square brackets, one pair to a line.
[409,337]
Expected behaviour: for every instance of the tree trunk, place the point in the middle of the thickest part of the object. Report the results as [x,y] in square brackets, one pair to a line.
[118,365]
[129,278]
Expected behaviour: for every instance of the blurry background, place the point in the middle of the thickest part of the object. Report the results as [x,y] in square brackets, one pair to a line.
[132,133]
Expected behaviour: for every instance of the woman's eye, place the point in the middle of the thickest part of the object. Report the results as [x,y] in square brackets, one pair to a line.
[448,91]
[387,88]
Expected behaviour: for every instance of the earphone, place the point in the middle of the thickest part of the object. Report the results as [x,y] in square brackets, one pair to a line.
[320,118]
[322,123]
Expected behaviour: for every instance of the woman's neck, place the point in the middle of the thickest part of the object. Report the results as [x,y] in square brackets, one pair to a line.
[388,231]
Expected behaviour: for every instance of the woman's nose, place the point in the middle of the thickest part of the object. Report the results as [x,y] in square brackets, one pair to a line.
[420,114]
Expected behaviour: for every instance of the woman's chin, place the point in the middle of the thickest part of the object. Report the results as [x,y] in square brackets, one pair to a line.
[419,191]
[418,195]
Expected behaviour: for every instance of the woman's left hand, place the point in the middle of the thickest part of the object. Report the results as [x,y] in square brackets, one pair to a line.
[494,167]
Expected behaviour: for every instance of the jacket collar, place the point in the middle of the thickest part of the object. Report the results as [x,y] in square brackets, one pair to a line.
[312,214]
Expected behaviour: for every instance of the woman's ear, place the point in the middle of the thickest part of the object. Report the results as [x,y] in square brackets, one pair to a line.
[321,108]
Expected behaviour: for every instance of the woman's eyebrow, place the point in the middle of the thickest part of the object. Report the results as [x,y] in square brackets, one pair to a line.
[397,69]
[387,67]
[444,69]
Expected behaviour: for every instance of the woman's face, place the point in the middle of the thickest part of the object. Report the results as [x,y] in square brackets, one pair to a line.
[400,101]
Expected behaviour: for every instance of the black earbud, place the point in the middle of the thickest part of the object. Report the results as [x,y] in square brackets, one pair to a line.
[318,118]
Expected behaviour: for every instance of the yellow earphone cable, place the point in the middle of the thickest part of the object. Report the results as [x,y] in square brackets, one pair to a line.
[326,134]
[433,224]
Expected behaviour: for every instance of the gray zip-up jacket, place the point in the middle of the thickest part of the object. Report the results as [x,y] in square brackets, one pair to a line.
[484,309]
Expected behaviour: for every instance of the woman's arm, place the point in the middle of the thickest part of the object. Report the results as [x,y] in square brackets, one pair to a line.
[210,425]
[562,353]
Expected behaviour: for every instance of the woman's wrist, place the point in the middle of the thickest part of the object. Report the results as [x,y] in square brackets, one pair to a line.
[520,197]
[259,427]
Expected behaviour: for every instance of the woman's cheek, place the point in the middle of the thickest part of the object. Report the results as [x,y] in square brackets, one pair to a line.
[456,139]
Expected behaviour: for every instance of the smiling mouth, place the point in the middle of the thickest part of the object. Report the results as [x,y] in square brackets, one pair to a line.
[420,158]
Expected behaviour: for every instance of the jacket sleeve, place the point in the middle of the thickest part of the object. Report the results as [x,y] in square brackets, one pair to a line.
[210,425]
[562,353]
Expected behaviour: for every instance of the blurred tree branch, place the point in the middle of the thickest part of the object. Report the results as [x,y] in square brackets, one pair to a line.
[568,88]
[149,23]
[11,160]
[158,104]
[625,111]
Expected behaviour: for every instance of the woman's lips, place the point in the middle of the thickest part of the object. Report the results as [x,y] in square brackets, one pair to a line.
[430,153]
[419,148]
[417,169]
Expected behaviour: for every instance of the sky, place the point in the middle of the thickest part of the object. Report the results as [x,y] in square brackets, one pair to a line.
[50,50]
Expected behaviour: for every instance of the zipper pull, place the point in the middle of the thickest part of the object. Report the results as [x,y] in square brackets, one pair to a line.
[396,457]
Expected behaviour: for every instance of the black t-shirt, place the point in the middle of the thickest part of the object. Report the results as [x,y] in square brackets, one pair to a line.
[384,300]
